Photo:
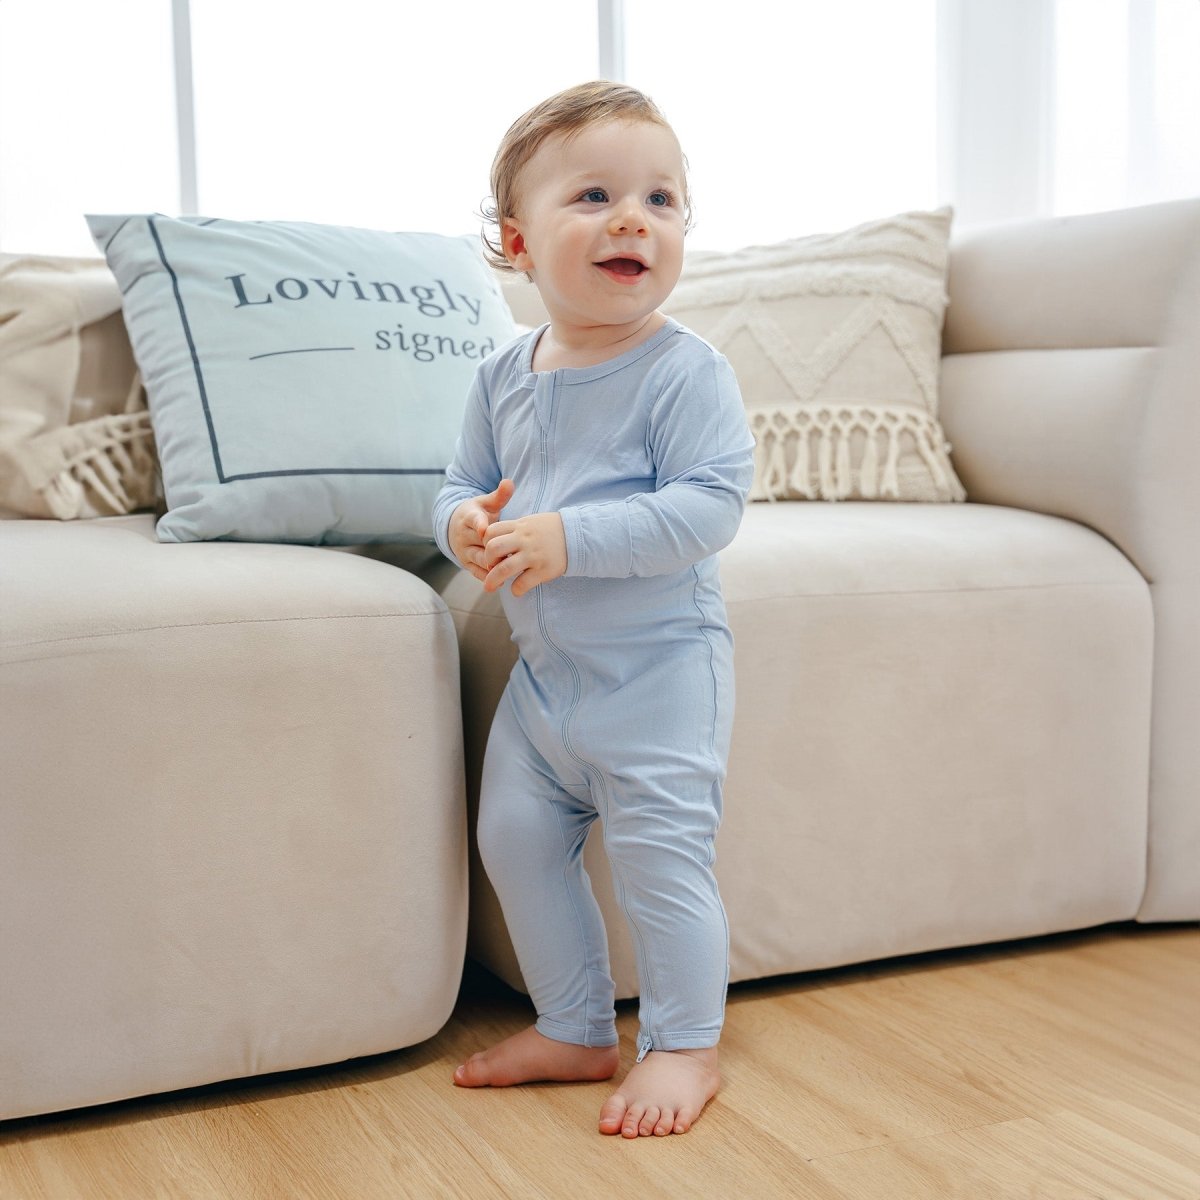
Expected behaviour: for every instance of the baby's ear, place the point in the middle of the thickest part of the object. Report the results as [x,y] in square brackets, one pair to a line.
[512,241]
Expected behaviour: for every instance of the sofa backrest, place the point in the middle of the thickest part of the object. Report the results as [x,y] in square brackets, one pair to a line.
[1060,390]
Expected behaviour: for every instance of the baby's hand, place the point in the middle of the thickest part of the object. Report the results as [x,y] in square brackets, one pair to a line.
[529,551]
[469,522]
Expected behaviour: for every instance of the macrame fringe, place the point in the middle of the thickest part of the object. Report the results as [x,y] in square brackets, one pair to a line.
[103,467]
[807,453]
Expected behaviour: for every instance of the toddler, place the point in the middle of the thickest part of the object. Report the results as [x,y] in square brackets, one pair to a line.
[604,460]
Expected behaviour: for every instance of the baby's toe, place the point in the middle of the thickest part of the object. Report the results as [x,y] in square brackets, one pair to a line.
[612,1114]
[684,1119]
[633,1119]
[473,1073]
[666,1122]
[649,1121]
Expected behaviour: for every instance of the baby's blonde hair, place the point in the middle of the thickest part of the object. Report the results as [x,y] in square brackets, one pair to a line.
[566,113]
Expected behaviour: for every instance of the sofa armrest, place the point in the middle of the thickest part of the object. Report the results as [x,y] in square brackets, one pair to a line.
[1068,386]
[1066,353]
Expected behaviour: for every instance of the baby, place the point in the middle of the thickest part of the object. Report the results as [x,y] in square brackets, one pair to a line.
[604,460]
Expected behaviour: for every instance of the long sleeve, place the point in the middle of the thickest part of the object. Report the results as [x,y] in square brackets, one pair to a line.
[474,470]
[703,454]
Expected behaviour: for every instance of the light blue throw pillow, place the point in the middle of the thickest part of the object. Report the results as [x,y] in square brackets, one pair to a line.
[306,383]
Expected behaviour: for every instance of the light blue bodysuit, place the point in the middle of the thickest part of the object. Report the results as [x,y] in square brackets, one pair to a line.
[621,702]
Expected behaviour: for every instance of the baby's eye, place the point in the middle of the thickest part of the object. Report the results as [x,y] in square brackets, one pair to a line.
[660,199]
[595,195]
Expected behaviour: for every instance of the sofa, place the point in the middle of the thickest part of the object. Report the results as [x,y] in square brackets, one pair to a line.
[239,778]
[963,723]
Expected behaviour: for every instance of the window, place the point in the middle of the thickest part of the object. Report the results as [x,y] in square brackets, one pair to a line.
[87,118]
[384,115]
[1127,95]
[796,118]
[363,112]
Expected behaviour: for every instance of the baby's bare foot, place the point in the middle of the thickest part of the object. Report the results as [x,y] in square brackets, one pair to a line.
[528,1056]
[662,1094]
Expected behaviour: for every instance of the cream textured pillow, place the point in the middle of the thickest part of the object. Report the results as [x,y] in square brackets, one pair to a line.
[836,341]
[75,436]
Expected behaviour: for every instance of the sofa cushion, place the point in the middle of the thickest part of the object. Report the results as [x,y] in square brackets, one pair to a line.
[232,838]
[836,341]
[75,437]
[941,735]
[204,584]
[306,382]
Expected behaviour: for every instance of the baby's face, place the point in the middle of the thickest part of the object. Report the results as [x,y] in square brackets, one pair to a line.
[601,223]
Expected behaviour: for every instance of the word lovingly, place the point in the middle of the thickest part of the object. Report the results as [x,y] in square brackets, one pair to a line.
[425,346]
[431,301]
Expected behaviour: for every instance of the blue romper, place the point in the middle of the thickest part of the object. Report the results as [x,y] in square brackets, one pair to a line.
[621,702]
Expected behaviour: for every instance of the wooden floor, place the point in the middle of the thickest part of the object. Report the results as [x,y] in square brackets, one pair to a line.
[1060,1067]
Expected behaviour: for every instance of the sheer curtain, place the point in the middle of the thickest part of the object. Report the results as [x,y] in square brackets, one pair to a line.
[87,118]
[369,112]
[796,118]
[1127,103]
[1051,107]
[384,115]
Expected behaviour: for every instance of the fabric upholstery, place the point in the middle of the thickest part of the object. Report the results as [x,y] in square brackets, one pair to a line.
[836,340]
[1069,387]
[232,839]
[75,436]
[237,841]
[941,738]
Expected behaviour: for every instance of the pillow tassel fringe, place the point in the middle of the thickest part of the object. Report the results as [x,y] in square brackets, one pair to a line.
[818,443]
[868,483]
[102,467]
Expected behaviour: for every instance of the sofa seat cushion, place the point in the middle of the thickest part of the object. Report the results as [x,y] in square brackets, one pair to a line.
[232,838]
[857,548]
[190,584]
[941,738]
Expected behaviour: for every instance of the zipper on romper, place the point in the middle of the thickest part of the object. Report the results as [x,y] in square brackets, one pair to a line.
[576,684]
[589,769]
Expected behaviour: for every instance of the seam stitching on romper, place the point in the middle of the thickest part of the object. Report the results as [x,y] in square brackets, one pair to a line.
[647,984]
[717,783]
[587,977]
[712,674]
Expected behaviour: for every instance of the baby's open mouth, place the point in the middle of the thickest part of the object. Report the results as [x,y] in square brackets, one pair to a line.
[623,266]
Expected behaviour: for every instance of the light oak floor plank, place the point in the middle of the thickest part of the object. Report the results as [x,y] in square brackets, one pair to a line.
[1059,1068]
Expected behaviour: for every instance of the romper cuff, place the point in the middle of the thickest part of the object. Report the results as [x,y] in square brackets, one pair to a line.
[599,540]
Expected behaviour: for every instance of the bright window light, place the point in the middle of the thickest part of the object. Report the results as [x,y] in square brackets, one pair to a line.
[1091,104]
[797,118]
[1127,95]
[382,115]
[87,118]
[1176,111]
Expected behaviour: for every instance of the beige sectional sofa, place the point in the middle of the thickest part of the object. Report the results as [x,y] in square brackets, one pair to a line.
[233,830]
[961,723]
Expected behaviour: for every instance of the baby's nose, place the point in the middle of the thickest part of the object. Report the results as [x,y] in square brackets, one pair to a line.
[628,218]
